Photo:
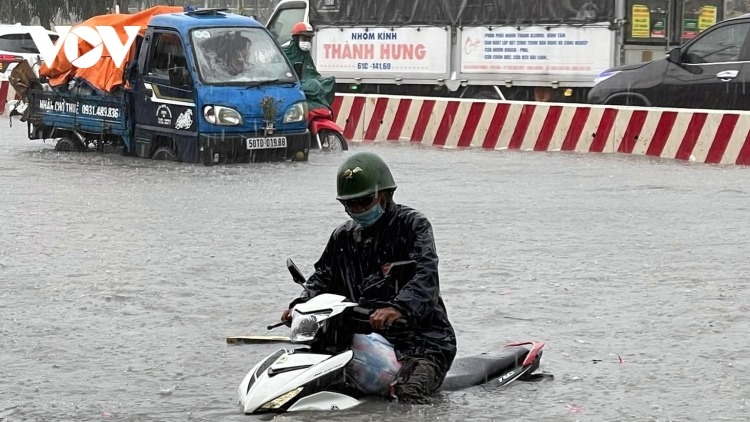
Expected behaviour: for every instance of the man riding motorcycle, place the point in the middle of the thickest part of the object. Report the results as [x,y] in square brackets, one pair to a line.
[319,90]
[380,233]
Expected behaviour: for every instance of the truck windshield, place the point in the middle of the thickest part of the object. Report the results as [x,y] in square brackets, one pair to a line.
[243,56]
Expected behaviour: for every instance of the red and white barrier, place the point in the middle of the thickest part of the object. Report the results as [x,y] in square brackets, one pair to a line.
[707,136]
[7,93]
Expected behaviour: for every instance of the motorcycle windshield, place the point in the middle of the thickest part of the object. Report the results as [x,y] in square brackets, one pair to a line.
[239,56]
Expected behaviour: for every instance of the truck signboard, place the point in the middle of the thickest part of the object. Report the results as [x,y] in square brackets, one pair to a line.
[537,50]
[389,51]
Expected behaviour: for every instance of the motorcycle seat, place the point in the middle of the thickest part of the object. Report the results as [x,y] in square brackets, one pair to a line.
[479,369]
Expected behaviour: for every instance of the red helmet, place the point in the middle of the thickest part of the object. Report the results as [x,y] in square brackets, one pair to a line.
[303,28]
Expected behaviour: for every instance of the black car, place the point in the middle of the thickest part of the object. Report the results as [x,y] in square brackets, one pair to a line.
[710,71]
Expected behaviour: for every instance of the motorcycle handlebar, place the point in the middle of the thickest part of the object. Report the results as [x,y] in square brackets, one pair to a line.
[362,314]
[271,327]
[400,323]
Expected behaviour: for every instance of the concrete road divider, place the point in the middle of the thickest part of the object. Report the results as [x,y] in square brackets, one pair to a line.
[706,136]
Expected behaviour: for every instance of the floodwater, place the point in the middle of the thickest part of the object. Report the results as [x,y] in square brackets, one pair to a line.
[122,277]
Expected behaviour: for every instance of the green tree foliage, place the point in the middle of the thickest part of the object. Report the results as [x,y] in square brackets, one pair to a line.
[25,11]
[47,11]
[12,11]
[85,9]
[740,6]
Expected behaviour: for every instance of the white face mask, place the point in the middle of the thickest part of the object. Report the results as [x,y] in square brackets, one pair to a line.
[305,45]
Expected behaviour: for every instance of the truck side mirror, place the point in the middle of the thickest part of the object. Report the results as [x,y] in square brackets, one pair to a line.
[299,68]
[675,55]
[131,72]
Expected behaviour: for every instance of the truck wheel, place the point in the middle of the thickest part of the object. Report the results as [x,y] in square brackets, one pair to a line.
[332,140]
[69,145]
[300,156]
[164,154]
[208,157]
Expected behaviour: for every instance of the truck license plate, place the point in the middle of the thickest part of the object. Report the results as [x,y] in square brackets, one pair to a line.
[265,143]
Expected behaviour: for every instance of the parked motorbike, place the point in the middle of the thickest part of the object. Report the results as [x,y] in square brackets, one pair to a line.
[313,376]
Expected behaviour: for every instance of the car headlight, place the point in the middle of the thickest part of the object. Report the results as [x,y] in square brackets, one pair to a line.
[605,75]
[297,112]
[282,399]
[219,115]
[304,326]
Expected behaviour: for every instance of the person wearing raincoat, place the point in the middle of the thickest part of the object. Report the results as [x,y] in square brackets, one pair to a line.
[379,233]
[319,90]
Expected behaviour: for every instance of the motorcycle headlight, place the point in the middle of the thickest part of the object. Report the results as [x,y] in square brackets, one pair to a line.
[304,326]
[605,75]
[219,115]
[297,112]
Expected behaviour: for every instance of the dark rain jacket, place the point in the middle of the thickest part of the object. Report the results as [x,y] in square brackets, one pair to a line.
[353,259]
[318,90]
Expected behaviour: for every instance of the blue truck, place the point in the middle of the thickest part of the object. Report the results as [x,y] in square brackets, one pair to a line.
[204,86]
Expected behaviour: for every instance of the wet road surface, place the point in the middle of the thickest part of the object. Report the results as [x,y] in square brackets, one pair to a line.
[121,278]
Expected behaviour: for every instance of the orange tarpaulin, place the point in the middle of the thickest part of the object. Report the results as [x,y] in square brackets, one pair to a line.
[104,75]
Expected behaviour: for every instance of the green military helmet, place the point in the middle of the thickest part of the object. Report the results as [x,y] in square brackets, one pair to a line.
[362,174]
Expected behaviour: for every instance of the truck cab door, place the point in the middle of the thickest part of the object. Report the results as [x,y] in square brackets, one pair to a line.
[164,98]
[286,14]
[712,71]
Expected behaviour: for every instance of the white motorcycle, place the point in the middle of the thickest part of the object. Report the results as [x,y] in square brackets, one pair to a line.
[313,377]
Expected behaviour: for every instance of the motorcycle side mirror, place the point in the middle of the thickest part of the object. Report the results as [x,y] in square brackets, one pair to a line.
[400,270]
[297,275]
[298,69]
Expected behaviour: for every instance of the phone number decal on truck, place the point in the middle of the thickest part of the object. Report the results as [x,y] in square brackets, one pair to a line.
[62,106]
[345,51]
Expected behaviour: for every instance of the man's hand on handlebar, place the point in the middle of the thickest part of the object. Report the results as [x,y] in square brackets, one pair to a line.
[287,315]
[384,317]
